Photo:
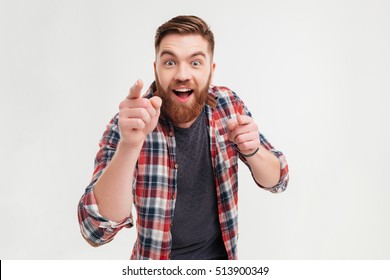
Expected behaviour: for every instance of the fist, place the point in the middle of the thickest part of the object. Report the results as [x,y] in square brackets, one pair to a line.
[137,116]
[244,133]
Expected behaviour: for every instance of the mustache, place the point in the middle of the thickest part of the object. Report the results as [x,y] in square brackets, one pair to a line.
[184,83]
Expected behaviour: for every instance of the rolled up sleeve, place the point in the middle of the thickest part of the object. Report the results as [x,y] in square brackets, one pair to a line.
[95,228]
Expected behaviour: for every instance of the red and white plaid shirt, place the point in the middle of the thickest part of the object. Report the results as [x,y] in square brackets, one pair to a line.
[155,181]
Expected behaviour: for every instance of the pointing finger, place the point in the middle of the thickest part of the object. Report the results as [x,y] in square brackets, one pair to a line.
[135,90]
[243,119]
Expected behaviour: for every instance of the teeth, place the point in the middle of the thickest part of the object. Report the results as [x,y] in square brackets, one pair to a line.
[182,89]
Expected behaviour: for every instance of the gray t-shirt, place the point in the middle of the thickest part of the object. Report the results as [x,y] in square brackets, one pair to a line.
[196,232]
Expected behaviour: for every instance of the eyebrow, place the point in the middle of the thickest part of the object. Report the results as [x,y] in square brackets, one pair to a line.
[167,52]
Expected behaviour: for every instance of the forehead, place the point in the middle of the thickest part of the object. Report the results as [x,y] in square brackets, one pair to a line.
[183,45]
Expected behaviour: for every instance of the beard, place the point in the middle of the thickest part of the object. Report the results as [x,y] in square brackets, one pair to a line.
[178,112]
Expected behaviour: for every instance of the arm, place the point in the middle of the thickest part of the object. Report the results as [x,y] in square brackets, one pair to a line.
[265,167]
[137,117]
[268,166]
[106,206]
[113,190]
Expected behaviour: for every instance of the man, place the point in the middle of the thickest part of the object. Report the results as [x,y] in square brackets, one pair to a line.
[173,155]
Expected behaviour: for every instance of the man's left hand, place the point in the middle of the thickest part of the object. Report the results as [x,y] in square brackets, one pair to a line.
[244,133]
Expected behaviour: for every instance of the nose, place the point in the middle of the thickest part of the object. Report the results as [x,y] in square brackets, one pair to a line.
[183,73]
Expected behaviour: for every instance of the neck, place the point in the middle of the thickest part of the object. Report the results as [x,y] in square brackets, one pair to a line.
[185,125]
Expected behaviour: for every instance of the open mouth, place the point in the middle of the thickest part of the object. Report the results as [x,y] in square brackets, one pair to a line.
[183,94]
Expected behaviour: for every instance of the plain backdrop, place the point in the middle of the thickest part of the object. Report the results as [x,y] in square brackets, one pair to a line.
[315,75]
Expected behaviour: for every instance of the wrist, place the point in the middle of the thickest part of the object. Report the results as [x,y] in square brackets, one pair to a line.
[129,147]
[248,153]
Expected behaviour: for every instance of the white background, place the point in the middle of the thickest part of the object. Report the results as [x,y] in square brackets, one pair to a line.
[315,75]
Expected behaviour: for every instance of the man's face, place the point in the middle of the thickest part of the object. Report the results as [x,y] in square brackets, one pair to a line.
[183,70]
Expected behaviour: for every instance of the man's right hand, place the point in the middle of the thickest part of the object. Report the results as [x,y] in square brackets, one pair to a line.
[137,116]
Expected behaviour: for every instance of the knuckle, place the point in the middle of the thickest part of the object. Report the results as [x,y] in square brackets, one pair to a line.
[151,111]
[238,139]
[144,102]
[245,146]
[121,113]
[231,136]
[144,113]
[140,124]
[122,105]
[123,124]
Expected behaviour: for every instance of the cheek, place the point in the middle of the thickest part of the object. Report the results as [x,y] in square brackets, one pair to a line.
[164,79]
[202,79]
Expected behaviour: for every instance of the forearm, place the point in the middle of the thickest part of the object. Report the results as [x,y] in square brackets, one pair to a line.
[265,167]
[113,190]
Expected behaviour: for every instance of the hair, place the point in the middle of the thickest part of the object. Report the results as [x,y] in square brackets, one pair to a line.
[185,25]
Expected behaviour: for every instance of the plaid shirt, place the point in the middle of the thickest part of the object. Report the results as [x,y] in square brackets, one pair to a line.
[155,181]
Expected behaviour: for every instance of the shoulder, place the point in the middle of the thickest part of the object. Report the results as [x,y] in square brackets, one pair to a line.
[227,99]
[222,91]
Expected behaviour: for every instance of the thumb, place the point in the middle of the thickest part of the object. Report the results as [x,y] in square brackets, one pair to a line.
[231,125]
[240,119]
[156,102]
[135,90]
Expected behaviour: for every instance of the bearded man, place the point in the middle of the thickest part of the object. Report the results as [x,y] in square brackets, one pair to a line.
[173,154]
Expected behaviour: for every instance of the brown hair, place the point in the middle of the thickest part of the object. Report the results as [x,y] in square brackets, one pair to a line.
[185,25]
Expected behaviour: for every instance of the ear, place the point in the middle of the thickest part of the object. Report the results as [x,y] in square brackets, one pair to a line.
[212,72]
[154,66]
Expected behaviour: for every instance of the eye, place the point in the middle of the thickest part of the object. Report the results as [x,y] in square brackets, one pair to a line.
[195,63]
[169,63]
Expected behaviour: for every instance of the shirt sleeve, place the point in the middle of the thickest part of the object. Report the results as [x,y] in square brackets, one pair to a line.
[95,228]
[284,173]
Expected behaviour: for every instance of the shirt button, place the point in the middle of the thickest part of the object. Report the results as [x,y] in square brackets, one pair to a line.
[173,197]
[170,133]
[176,166]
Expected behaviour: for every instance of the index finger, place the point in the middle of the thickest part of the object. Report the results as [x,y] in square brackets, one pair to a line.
[243,119]
[135,90]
